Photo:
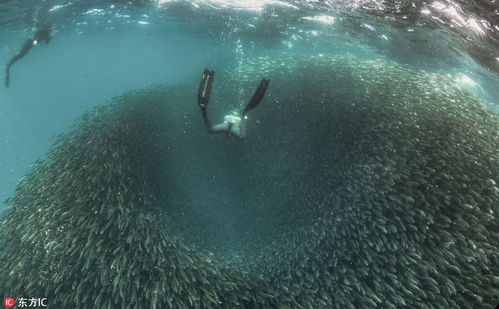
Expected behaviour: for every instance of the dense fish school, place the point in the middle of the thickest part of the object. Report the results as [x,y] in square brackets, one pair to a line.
[362,184]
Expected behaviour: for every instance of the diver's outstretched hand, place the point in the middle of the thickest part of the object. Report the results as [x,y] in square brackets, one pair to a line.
[204,89]
[257,96]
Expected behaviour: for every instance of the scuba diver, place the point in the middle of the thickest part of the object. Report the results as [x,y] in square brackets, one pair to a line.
[234,123]
[42,34]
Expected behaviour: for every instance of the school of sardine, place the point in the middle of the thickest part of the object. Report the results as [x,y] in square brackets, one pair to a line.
[382,188]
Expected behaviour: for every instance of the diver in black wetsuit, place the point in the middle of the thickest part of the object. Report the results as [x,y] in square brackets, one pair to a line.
[42,34]
[234,123]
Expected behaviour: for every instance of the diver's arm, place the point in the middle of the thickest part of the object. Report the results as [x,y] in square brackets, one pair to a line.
[239,129]
[242,127]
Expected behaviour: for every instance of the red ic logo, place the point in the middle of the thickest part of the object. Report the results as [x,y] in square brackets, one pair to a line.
[9,302]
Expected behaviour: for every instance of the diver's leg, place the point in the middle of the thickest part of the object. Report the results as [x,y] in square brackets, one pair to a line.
[26,48]
[257,96]
[204,91]
[7,70]
[220,128]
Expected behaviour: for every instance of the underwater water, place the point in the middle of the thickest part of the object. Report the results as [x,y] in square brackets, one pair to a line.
[368,177]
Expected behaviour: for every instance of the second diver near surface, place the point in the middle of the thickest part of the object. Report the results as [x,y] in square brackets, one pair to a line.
[43,34]
[234,123]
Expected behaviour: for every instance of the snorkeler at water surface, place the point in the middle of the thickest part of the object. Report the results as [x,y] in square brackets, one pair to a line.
[234,123]
[42,34]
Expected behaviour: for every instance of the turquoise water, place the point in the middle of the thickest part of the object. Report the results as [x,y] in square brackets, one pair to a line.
[99,51]
[368,177]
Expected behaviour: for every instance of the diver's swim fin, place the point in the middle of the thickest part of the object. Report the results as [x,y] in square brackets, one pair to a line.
[204,89]
[257,96]
[7,80]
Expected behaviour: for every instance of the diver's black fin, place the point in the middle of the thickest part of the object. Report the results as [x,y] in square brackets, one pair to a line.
[204,89]
[7,79]
[257,96]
